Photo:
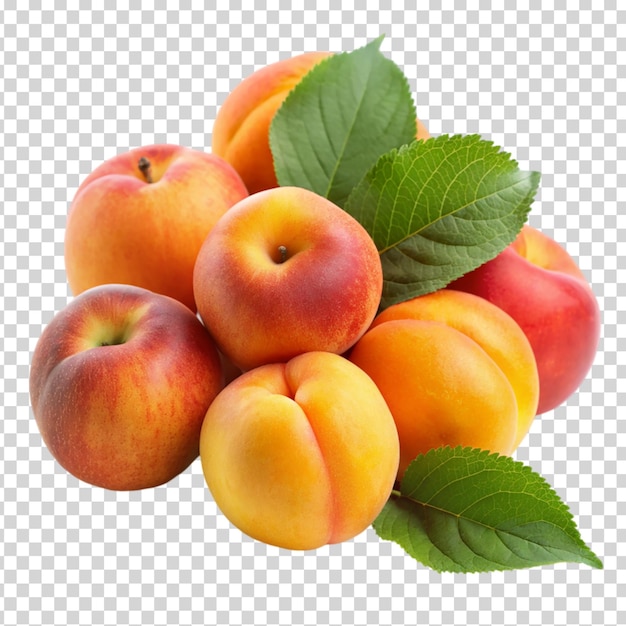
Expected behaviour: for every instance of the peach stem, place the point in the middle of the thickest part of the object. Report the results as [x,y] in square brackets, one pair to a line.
[145,166]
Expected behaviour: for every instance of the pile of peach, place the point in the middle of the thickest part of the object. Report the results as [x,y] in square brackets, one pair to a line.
[218,314]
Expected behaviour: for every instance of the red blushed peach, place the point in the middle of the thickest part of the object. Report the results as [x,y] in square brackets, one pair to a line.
[302,454]
[120,382]
[540,286]
[286,271]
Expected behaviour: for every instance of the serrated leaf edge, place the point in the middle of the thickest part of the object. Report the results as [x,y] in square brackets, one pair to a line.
[463,141]
[557,504]
[374,44]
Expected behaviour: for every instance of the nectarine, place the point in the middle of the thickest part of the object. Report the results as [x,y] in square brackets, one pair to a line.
[542,288]
[120,382]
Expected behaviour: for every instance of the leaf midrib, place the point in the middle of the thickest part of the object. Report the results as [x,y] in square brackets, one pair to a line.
[495,529]
[409,170]
[333,175]
[453,212]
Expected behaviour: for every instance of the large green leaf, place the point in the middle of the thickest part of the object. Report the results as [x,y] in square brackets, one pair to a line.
[439,208]
[345,113]
[467,510]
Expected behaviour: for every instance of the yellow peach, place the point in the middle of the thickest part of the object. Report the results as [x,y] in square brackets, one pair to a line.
[300,454]
[242,125]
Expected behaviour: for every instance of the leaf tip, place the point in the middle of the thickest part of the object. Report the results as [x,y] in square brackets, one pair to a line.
[378,41]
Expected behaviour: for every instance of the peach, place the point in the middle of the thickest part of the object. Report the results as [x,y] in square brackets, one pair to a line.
[286,271]
[241,127]
[422,131]
[454,370]
[300,454]
[542,288]
[141,217]
[120,382]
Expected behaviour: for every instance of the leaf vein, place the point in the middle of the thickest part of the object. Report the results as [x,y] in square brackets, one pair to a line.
[455,212]
[347,136]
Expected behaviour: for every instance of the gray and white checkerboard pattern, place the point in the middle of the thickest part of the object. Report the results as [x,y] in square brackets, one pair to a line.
[545,80]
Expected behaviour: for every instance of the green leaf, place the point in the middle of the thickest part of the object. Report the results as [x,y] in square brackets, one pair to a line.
[345,113]
[468,510]
[439,208]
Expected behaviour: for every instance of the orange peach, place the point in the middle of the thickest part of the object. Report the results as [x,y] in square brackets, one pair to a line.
[286,271]
[454,370]
[241,127]
[302,454]
[141,217]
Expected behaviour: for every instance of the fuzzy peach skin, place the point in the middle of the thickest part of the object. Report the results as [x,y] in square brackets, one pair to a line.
[542,288]
[302,454]
[241,127]
[120,382]
[493,330]
[442,386]
[121,228]
[286,271]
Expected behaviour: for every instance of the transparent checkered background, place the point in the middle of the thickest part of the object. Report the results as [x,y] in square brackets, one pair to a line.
[544,79]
